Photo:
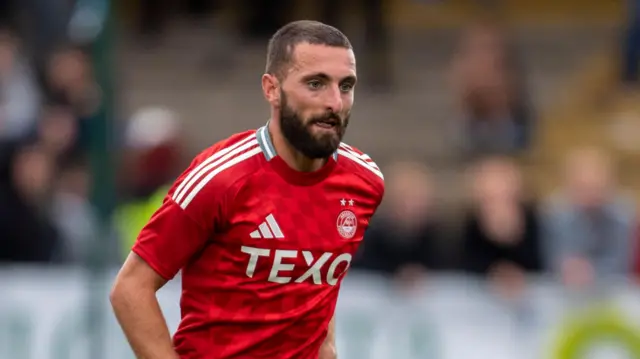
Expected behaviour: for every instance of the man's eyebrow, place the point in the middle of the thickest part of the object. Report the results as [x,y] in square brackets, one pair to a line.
[317,75]
[324,76]
[350,78]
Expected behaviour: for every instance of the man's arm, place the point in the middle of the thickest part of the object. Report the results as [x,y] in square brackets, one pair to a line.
[164,246]
[134,302]
[328,350]
[179,229]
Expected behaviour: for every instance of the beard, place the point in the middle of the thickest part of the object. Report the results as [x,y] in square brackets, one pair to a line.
[298,131]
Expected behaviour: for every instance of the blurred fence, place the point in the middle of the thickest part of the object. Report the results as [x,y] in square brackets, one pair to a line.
[42,315]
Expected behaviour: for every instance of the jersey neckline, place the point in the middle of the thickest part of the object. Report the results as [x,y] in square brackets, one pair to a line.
[283,169]
[301,178]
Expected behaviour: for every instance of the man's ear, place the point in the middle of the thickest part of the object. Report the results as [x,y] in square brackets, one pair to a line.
[271,89]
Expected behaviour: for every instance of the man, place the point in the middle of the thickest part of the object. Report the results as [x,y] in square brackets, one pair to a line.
[263,224]
[589,224]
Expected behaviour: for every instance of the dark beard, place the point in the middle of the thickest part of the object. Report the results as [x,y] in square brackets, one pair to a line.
[298,132]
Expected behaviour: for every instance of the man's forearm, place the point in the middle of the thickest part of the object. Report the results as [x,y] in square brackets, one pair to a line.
[329,350]
[142,322]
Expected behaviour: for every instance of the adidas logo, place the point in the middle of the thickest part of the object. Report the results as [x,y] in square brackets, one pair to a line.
[268,229]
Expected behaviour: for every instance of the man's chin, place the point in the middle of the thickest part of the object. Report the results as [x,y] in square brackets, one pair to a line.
[330,143]
[324,151]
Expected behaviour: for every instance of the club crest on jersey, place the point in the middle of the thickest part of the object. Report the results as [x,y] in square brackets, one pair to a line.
[347,224]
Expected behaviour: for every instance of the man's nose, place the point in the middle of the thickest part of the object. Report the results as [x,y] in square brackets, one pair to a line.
[333,99]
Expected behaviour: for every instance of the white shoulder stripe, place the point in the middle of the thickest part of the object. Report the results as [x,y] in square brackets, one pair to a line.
[362,156]
[366,157]
[352,156]
[198,171]
[234,161]
[342,144]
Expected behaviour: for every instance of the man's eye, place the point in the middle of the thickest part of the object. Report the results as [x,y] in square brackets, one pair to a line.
[346,87]
[314,84]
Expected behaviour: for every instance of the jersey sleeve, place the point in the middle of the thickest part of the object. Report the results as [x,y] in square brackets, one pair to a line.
[183,225]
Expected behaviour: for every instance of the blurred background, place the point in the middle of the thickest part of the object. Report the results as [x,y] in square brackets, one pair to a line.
[508,131]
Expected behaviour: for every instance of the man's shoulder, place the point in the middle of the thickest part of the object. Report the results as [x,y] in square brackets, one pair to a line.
[366,171]
[219,167]
[229,147]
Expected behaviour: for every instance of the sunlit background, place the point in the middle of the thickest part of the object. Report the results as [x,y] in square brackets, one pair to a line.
[508,131]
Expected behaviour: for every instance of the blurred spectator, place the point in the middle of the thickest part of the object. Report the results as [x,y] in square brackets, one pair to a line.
[153,146]
[72,87]
[151,163]
[19,92]
[402,240]
[47,212]
[43,24]
[70,81]
[501,233]
[58,130]
[27,232]
[72,213]
[488,82]
[589,226]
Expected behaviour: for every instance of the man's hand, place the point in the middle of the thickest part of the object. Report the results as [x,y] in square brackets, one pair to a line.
[328,349]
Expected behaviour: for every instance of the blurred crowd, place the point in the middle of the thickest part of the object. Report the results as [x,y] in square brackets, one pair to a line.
[586,233]
[489,84]
[46,99]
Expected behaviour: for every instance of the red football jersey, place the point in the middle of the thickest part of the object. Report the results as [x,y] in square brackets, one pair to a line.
[262,248]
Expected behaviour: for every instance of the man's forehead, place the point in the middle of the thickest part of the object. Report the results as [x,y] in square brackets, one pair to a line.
[310,57]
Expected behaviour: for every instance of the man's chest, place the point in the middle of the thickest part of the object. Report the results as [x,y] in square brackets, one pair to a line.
[319,217]
[294,235]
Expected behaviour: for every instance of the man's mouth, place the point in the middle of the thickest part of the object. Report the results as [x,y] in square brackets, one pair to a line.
[328,123]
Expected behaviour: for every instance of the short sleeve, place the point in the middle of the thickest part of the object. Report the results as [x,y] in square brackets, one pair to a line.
[170,239]
[182,226]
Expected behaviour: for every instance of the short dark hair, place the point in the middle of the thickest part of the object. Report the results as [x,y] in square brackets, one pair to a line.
[283,42]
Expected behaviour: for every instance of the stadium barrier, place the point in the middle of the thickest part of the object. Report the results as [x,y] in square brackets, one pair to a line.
[43,315]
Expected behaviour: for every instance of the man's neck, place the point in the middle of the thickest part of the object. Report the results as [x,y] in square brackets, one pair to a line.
[290,155]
